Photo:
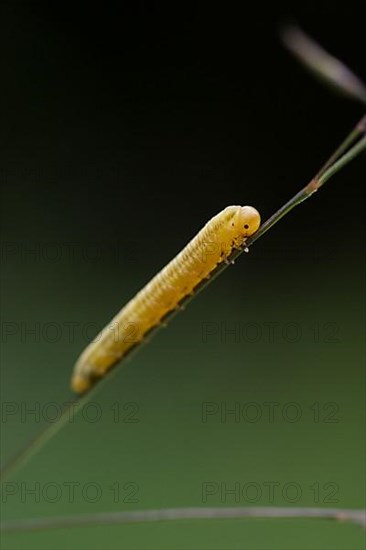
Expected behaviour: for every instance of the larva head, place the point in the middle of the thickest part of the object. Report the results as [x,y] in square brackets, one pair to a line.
[247,220]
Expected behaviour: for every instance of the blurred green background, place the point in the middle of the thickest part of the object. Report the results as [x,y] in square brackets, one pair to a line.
[122,143]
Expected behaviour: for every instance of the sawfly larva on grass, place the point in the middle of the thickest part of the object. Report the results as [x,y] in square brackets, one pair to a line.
[217,245]
[214,244]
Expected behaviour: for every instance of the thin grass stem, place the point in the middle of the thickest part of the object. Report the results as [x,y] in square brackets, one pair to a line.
[176,514]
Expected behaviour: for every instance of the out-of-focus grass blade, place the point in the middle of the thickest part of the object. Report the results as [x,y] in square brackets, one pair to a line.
[324,65]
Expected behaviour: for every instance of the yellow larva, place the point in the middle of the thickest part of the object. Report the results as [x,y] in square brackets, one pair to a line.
[224,233]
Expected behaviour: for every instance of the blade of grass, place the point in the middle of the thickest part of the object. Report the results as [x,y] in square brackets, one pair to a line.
[175,514]
[338,162]
[324,65]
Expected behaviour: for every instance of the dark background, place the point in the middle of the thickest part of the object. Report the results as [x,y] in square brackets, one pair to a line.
[125,127]
[139,117]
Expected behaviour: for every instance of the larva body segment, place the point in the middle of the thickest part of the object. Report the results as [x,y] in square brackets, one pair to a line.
[212,245]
